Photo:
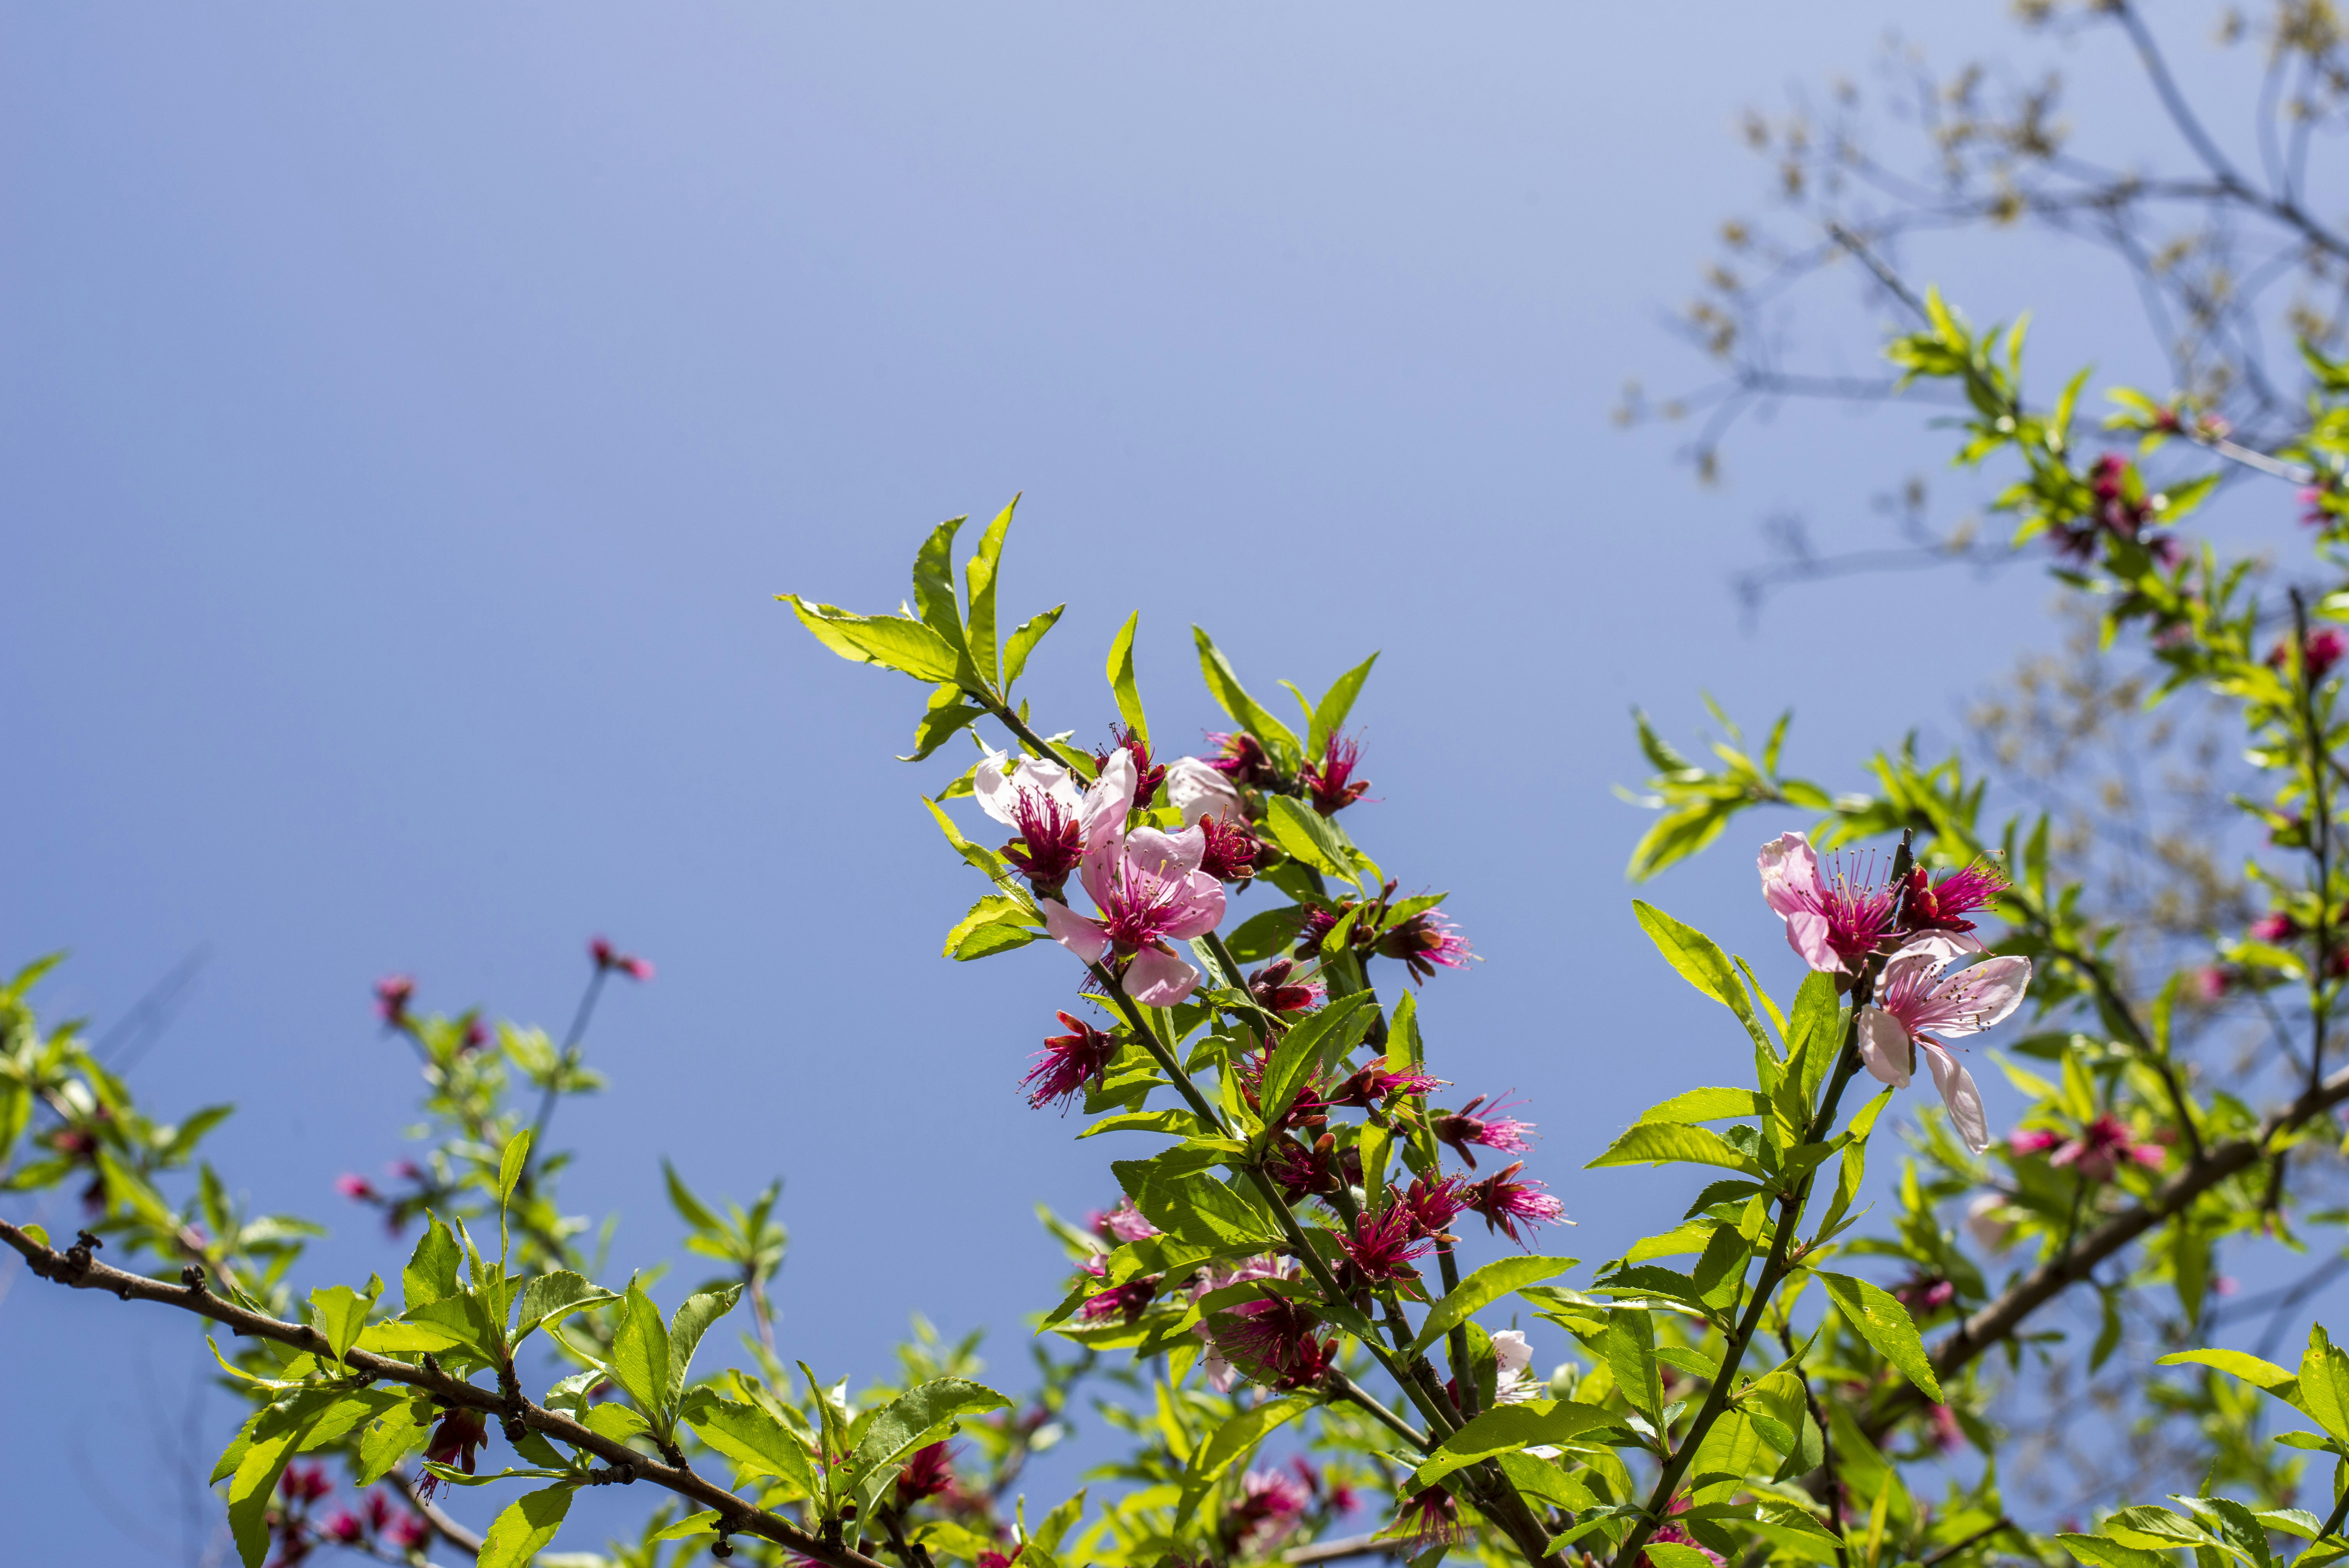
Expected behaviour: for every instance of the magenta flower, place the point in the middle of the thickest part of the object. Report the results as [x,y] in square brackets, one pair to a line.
[1434,1203]
[929,1473]
[1056,823]
[628,964]
[1461,1128]
[1137,750]
[1220,1372]
[2103,1145]
[1504,1201]
[1425,941]
[1068,1062]
[1832,923]
[1148,890]
[1231,851]
[1924,1294]
[1331,782]
[1384,1247]
[2274,927]
[1374,1085]
[1123,1223]
[358,1188]
[2318,655]
[392,995]
[1125,1301]
[1929,905]
[1201,790]
[1241,758]
[344,1528]
[1429,1518]
[1914,997]
[1276,990]
[1276,1340]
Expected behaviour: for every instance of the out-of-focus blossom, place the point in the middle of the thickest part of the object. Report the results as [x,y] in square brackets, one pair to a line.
[1832,923]
[1671,1533]
[606,956]
[1125,1301]
[2318,655]
[2103,1146]
[1986,1220]
[358,1188]
[1123,1223]
[929,1473]
[1924,1294]
[392,995]
[2274,927]
[1919,1008]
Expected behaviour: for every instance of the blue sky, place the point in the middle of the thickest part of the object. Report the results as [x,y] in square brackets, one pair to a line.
[407,416]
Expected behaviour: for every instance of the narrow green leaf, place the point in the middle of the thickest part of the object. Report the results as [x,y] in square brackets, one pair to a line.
[893,642]
[528,1523]
[751,1438]
[1667,1143]
[2249,1368]
[640,1352]
[1308,1045]
[1884,1322]
[1121,682]
[1329,713]
[1708,1105]
[1308,835]
[1702,965]
[979,576]
[1224,685]
[509,1163]
[1023,640]
[1484,1287]
[684,1331]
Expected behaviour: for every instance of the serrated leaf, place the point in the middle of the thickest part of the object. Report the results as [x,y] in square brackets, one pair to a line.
[1702,965]
[528,1523]
[902,1422]
[1121,683]
[1884,1322]
[1484,1287]
[1307,835]
[1308,1046]
[640,1351]
[1233,1441]
[431,1272]
[893,642]
[753,1438]
[1508,1430]
[693,1319]
[1708,1105]
[1224,685]
[551,1297]
[1667,1143]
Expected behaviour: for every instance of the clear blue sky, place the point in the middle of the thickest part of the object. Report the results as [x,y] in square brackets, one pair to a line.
[408,414]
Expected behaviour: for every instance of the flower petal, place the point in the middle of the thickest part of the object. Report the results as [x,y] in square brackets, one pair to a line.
[1957,1092]
[1806,934]
[993,791]
[1198,910]
[1790,874]
[1156,978]
[1104,811]
[1884,1047]
[1511,1352]
[1084,938]
[1974,999]
[1166,856]
[1198,789]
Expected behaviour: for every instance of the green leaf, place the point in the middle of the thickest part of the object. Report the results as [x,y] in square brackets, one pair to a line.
[998,923]
[1884,1322]
[978,575]
[510,1163]
[1121,681]
[2325,1385]
[2100,1553]
[1233,1441]
[1023,640]
[1708,1105]
[751,1438]
[903,1422]
[893,642]
[1701,963]
[1308,1046]
[640,1351]
[1308,835]
[2249,1368]
[391,1438]
[339,1313]
[1224,685]
[1629,1344]
[551,1297]
[276,1438]
[1673,1554]
[702,1309]
[934,590]
[431,1272]
[1669,1144]
[946,717]
[1265,933]
[692,1210]
[528,1523]
[1508,1430]
[1329,713]
[1484,1287]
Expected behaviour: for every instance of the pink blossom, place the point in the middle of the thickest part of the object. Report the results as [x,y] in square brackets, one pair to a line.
[1057,824]
[1986,1220]
[1831,923]
[2103,1145]
[1929,905]
[358,1188]
[1913,996]
[1461,1128]
[1123,1223]
[392,995]
[608,957]
[1148,890]
[1331,782]
[1504,1201]
[1068,1063]
[1198,789]
[1425,941]
[2029,1140]
[1513,1382]
[1220,1373]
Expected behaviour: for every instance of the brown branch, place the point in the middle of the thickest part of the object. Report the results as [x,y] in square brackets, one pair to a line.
[1348,1546]
[81,1273]
[446,1528]
[1998,1320]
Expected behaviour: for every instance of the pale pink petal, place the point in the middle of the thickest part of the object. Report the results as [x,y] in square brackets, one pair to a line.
[1806,934]
[1166,856]
[1884,1047]
[1511,1353]
[1957,1092]
[1974,999]
[1934,949]
[1159,979]
[994,793]
[1221,1374]
[1106,804]
[1200,908]
[1198,789]
[1041,778]
[1084,938]
[1790,874]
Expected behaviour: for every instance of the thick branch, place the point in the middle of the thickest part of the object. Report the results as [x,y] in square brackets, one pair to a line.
[741,1518]
[1998,1320]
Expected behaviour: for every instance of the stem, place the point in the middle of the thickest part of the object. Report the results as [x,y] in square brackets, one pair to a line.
[1346,1389]
[1976,1539]
[1826,1451]
[578,1031]
[744,1518]
[2319,802]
